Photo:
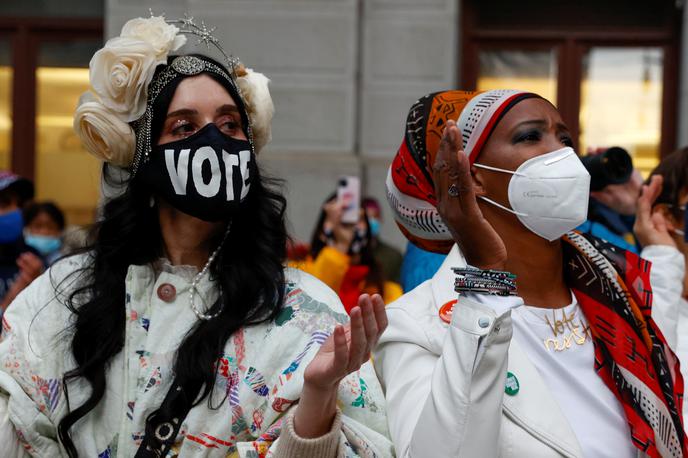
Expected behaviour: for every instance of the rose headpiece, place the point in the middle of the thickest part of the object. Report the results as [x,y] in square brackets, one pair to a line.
[113,119]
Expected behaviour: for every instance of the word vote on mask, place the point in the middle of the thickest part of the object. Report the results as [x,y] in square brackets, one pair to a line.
[206,175]
[549,193]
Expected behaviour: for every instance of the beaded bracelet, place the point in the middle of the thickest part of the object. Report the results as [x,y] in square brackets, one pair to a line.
[494,282]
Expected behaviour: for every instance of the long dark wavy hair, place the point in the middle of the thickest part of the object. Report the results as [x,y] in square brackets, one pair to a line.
[249,268]
[375,275]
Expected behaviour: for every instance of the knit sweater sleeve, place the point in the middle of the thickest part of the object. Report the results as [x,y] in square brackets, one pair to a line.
[291,445]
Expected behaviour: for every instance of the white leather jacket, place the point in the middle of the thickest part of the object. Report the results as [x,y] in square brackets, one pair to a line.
[669,308]
[445,383]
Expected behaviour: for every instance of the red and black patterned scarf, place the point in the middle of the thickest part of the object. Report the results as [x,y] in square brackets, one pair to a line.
[612,286]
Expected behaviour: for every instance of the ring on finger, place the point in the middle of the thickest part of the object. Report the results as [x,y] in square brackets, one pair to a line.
[453,191]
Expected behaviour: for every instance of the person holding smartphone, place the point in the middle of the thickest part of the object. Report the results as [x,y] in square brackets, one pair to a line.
[342,254]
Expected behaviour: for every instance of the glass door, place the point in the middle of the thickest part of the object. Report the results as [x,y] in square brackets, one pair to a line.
[65,173]
[5,104]
[529,70]
[621,102]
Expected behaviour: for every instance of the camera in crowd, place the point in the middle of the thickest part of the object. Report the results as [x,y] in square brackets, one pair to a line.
[614,166]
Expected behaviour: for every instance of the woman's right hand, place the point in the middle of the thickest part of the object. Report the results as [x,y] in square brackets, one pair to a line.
[478,240]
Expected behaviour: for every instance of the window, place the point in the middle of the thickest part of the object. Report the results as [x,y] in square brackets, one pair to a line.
[43,71]
[61,78]
[610,67]
[5,103]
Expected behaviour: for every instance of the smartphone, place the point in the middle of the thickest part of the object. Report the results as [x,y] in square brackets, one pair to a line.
[349,194]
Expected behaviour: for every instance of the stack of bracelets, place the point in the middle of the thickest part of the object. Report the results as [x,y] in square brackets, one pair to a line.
[495,282]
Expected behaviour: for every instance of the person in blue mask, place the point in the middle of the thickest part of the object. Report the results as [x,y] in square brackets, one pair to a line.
[43,230]
[19,263]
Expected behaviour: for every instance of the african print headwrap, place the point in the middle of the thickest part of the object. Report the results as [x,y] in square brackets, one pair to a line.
[632,357]
[410,187]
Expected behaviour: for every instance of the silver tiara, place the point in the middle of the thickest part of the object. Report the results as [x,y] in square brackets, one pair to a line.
[205,36]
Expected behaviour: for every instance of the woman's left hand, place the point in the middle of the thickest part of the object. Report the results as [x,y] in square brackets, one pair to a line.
[651,228]
[344,352]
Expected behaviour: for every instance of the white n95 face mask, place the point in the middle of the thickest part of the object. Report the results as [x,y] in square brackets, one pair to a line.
[549,193]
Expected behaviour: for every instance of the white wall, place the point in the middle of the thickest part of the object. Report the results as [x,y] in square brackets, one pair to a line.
[344,73]
[682,119]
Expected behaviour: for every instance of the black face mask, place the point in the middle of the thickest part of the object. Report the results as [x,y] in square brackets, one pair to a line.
[206,175]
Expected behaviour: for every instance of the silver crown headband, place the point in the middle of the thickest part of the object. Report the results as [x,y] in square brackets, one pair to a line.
[185,66]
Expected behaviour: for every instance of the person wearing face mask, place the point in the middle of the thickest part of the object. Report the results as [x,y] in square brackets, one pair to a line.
[179,331]
[388,257]
[531,339]
[614,192]
[342,256]
[43,230]
[20,264]
[661,228]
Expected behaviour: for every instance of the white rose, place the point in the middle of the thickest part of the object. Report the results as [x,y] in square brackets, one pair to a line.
[154,30]
[256,95]
[102,133]
[120,74]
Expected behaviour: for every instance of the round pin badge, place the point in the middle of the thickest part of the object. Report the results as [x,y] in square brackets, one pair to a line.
[446,311]
[512,386]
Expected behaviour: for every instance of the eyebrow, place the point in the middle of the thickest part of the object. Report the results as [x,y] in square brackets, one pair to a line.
[224,109]
[541,122]
[182,112]
[227,109]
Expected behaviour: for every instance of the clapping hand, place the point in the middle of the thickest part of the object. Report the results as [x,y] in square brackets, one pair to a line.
[344,352]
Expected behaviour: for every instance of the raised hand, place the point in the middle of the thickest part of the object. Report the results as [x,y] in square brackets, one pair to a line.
[651,228]
[479,242]
[342,233]
[343,352]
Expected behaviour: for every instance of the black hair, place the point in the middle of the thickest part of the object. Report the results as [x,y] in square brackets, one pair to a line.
[674,169]
[249,269]
[19,192]
[375,275]
[49,208]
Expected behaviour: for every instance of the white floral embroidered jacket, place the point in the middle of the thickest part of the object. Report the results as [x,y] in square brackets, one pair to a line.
[259,376]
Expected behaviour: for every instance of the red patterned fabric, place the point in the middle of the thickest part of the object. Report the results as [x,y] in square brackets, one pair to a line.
[632,357]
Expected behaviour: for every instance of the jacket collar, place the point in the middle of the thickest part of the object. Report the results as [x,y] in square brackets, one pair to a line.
[535,409]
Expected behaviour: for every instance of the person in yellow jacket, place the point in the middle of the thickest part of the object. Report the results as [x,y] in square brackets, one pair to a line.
[341,256]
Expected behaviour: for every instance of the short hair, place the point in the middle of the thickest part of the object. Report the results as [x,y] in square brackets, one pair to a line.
[49,208]
[674,169]
[371,202]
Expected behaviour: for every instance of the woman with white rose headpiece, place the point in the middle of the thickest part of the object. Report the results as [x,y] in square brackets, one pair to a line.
[179,332]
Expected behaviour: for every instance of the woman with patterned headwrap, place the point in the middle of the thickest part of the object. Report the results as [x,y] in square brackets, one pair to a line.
[564,361]
[179,331]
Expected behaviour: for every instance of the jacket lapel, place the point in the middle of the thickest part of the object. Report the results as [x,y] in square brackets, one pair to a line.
[534,409]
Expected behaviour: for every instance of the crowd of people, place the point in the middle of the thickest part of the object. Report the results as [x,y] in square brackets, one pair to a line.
[539,309]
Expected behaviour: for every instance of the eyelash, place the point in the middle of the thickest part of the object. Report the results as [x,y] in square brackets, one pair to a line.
[536,136]
[180,125]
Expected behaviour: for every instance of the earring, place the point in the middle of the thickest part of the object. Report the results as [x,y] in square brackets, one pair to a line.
[151,203]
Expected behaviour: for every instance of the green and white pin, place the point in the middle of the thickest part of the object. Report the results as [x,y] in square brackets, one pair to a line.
[512,386]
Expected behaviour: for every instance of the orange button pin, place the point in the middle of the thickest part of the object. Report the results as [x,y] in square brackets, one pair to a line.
[446,311]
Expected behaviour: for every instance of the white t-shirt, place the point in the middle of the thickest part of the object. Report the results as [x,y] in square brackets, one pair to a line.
[559,344]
